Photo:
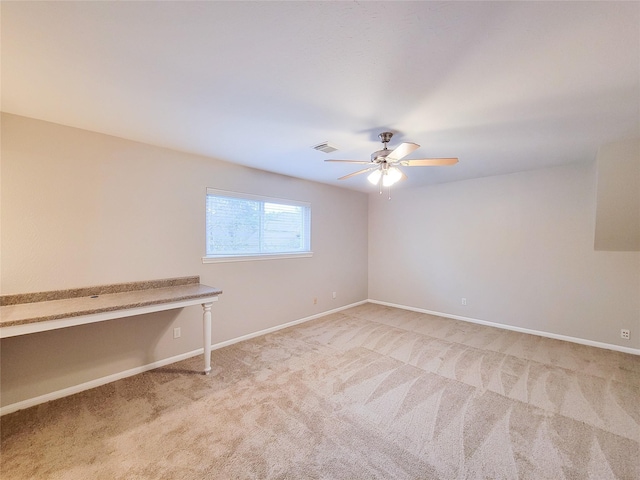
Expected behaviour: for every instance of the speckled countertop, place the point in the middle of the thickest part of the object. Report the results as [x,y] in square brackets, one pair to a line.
[27,308]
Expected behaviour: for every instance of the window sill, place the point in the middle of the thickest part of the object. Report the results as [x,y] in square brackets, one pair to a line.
[250,258]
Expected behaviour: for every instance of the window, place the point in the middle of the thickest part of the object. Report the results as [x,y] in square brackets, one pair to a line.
[248,227]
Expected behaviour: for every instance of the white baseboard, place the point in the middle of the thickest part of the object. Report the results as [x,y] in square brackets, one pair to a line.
[65,392]
[581,341]
[284,325]
[167,361]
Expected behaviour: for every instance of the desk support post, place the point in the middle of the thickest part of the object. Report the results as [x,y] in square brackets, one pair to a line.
[206,328]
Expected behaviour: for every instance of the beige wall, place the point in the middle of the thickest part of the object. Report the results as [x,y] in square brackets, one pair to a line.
[80,208]
[618,197]
[518,247]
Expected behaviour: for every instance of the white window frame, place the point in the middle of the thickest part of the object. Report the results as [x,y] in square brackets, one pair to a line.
[257,256]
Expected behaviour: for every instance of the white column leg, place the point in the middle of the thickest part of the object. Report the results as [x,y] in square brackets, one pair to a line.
[206,333]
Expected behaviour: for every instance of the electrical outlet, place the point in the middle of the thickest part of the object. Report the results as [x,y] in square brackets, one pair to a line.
[315,300]
[624,333]
[335,294]
[464,301]
[177,332]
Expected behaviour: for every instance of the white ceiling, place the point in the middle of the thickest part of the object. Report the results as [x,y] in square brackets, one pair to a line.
[504,86]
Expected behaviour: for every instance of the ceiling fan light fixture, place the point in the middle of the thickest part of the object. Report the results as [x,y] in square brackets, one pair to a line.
[374,177]
[391,176]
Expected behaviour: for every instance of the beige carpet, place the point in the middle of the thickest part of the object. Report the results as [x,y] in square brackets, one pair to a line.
[370,392]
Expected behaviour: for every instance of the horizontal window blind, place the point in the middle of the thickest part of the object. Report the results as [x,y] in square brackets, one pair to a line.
[240,224]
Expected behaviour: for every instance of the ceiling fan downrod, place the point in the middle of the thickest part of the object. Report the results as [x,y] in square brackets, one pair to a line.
[381,155]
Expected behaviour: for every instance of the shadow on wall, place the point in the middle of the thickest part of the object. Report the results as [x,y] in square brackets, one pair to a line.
[84,353]
[618,197]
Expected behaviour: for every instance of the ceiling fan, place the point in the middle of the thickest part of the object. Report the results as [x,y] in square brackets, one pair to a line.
[384,163]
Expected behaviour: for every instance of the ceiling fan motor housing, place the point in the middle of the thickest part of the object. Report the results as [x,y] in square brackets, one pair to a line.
[380,156]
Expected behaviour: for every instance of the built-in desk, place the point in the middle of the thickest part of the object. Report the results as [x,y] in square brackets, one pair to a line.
[22,314]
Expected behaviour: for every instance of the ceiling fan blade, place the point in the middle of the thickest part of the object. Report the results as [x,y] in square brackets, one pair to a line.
[358,173]
[429,162]
[402,151]
[362,162]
